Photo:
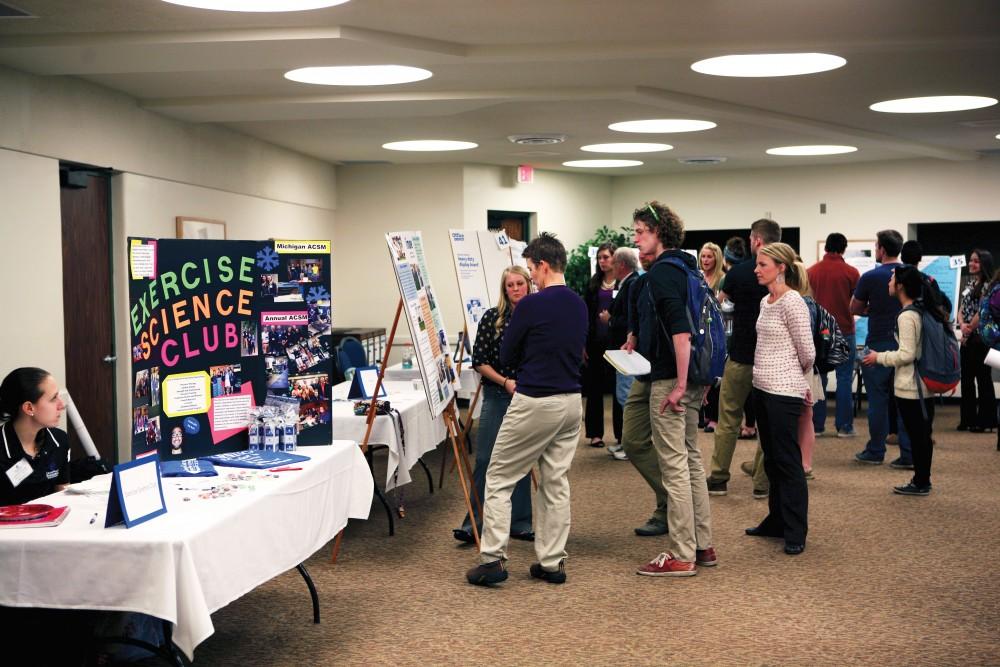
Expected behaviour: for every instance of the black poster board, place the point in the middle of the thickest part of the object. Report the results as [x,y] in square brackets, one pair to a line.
[219,326]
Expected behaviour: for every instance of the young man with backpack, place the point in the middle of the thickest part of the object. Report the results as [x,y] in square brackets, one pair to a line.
[926,362]
[666,329]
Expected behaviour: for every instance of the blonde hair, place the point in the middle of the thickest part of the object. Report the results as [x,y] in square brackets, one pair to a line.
[504,306]
[795,270]
[717,272]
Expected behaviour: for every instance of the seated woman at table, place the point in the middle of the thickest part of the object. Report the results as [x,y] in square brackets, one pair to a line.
[499,384]
[35,452]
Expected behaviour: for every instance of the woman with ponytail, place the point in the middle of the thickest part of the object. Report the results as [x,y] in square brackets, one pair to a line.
[34,452]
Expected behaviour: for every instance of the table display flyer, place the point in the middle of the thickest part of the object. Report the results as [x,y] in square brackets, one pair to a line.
[423,316]
[219,327]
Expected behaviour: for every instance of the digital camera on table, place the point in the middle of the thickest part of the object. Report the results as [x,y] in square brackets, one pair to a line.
[381,408]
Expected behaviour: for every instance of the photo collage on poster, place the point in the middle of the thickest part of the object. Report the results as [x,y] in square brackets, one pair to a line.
[210,340]
[295,331]
[424,319]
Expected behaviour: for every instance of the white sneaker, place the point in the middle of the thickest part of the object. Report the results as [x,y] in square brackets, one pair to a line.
[613,448]
[620,455]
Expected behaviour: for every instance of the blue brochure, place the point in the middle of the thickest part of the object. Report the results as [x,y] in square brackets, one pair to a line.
[136,493]
[187,468]
[256,459]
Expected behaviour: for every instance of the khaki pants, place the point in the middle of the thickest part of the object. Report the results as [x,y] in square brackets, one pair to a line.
[675,437]
[544,430]
[737,382]
[637,441]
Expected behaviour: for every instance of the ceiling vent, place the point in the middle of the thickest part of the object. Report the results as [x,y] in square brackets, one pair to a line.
[535,154]
[536,139]
[987,124]
[12,12]
[701,160]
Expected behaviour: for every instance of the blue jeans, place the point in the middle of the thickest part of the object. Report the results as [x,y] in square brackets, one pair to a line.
[878,385]
[623,383]
[496,400]
[845,397]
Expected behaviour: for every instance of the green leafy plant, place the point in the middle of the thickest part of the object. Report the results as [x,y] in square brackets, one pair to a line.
[578,264]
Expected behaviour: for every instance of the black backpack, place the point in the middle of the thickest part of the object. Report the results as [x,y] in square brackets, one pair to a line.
[831,346]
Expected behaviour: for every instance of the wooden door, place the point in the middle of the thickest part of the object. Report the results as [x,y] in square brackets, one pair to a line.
[87,306]
[514,228]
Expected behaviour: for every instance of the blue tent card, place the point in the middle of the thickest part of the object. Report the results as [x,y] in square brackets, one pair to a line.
[256,459]
[136,493]
[363,383]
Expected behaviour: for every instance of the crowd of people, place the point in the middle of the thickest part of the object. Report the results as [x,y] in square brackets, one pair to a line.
[787,329]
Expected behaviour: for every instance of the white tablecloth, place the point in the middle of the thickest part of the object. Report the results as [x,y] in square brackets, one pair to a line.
[469,377]
[197,558]
[421,432]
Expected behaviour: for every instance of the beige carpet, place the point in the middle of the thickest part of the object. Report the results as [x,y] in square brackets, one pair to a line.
[885,579]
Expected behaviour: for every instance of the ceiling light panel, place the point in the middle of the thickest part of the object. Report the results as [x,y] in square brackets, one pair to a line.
[429,145]
[936,104]
[769,64]
[257,5]
[358,75]
[602,164]
[632,147]
[662,125]
[811,150]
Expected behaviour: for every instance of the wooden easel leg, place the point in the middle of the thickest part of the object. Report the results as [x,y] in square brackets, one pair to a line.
[462,480]
[336,546]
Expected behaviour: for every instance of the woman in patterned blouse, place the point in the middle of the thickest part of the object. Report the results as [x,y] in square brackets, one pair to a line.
[499,384]
[782,366]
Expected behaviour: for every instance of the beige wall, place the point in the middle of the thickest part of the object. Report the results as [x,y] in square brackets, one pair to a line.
[374,200]
[860,198]
[71,119]
[31,271]
[570,205]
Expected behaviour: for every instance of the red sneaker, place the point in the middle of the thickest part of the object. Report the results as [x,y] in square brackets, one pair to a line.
[665,565]
[706,557]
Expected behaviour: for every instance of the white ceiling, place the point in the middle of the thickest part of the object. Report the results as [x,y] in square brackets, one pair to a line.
[571,67]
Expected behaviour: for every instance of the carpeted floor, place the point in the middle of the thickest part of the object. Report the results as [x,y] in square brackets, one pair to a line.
[886,579]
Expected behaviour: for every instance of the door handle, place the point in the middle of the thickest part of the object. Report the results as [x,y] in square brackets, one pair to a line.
[110,359]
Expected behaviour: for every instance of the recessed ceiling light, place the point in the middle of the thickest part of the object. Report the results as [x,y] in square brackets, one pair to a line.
[811,150]
[257,5]
[935,104]
[358,75]
[429,145]
[769,64]
[662,125]
[598,164]
[998,136]
[633,147]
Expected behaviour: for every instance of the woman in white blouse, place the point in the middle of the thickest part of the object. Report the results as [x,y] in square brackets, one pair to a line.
[783,362]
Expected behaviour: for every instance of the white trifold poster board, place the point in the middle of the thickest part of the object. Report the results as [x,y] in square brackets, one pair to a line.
[479,262]
[423,316]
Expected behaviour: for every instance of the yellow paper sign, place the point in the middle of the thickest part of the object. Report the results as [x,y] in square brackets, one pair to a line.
[286,247]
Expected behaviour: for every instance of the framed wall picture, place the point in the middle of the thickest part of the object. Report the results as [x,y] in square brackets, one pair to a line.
[862,250]
[200,228]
